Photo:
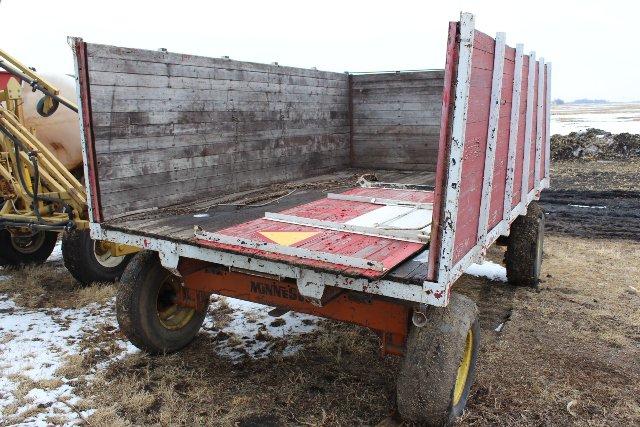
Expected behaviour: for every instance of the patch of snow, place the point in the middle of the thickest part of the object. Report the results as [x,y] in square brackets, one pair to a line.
[422,256]
[488,269]
[587,206]
[611,117]
[56,255]
[33,346]
[247,320]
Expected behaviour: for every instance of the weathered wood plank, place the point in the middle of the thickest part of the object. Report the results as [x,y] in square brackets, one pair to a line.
[104,105]
[396,119]
[226,130]
[399,130]
[143,118]
[158,161]
[401,76]
[153,56]
[170,94]
[194,188]
[210,80]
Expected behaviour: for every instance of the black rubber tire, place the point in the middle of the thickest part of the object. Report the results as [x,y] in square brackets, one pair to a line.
[137,312]
[425,385]
[80,259]
[12,257]
[523,257]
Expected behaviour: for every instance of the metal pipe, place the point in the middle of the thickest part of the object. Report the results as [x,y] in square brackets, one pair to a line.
[37,86]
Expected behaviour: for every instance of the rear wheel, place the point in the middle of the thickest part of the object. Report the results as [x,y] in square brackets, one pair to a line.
[439,364]
[33,248]
[523,258]
[147,309]
[90,261]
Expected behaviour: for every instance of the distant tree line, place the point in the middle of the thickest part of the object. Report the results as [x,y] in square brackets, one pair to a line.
[559,101]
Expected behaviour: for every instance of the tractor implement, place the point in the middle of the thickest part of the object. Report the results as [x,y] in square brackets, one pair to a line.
[39,197]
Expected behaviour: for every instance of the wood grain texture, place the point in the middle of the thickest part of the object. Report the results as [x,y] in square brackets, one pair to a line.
[170,128]
[396,119]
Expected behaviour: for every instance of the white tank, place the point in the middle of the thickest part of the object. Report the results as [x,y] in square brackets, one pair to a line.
[60,131]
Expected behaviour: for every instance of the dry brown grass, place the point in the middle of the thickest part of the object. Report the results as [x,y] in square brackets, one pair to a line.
[329,382]
[569,353]
[50,286]
[573,343]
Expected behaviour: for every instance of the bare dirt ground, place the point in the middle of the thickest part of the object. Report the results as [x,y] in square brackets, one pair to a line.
[564,354]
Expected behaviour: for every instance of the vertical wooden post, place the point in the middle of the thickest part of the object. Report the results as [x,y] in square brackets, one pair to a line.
[513,132]
[458,130]
[527,129]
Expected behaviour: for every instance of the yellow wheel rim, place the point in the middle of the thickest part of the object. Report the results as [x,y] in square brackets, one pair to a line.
[171,315]
[463,369]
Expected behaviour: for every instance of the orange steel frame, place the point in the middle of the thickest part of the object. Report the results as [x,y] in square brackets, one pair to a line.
[389,319]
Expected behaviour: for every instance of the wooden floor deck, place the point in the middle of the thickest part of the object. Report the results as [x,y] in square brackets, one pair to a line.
[242,215]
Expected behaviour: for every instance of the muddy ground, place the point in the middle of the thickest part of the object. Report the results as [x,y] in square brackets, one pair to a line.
[566,353]
[594,199]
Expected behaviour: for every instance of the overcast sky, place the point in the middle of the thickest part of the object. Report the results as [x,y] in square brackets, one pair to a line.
[592,44]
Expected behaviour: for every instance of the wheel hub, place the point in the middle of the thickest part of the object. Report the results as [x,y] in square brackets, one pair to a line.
[28,244]
[104,257]
[172,316]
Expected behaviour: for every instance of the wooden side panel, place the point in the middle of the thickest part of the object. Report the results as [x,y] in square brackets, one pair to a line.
[170,128]
[473,158]
[396,119]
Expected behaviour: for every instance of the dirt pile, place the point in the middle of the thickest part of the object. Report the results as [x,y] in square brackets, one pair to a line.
[595,144]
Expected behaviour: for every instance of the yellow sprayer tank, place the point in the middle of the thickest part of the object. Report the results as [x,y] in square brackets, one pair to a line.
[61,131]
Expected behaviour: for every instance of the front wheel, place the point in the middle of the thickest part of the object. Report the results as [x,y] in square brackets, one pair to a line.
[18,250]
[147,309]
[89,260]
[439,364]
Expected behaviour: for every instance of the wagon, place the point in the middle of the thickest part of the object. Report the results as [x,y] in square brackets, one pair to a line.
[359,197]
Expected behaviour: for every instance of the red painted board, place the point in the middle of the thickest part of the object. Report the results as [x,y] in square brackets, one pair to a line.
[388,252]
[416,196]
[496,207]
